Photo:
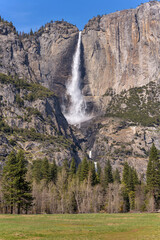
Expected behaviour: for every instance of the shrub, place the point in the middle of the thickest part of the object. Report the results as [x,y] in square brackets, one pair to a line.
[19,100]
[36,91]
[140,108]
[4,127]
[33,111]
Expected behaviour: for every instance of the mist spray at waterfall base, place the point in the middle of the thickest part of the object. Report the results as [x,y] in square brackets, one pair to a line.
[77,111]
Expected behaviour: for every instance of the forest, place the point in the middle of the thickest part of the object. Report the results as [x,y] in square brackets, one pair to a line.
[43,187]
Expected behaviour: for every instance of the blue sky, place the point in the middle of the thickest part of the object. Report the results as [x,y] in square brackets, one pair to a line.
[27,14]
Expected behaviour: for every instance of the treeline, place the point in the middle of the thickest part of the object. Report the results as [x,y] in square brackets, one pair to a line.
[43,187]
[5,21]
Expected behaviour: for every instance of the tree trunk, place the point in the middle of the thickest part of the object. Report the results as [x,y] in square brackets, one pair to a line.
[26,209]
[6,210]
[19,208]
[11,209]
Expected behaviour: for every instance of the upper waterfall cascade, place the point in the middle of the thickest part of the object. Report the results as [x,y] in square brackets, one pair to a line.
[77,110]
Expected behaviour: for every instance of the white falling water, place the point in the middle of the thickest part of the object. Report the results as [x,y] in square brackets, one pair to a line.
[95,165]
[76,113]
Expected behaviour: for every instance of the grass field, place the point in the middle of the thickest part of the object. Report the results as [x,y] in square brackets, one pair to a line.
[82,226]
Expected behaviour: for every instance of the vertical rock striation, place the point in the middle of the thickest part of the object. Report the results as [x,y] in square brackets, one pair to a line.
[121,50]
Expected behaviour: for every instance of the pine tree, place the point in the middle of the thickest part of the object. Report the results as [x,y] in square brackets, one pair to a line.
[116,176]
[135,177]
[132,200]
[125,190]
[8,181]
[16,190]
[129,180]
[79,172]
[130,177]
[153,169]
[31,32]
[23,188]
[53,172]
[72,170]
[108,176]
[84,169]
[98,173]
[125,174]
[73,203]
[153,173]
[37,170]
[92,173]
[45,169]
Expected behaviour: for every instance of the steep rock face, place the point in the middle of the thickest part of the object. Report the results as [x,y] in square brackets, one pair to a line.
[128,129]
[31,119]
[120,78]
[45,57]
[118,141]
[121,50]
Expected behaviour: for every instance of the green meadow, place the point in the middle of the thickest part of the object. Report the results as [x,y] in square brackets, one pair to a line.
[82,226]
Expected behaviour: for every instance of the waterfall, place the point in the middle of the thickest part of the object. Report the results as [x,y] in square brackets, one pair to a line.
[95,165]
[76,112]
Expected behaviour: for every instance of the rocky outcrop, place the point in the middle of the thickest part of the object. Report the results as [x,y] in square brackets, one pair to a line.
[31,119]
[118,141]
[128,129]
[121,50]
[45,57]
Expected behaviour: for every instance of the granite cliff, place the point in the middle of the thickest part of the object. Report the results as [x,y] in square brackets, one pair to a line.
[44,57]
[120,81]
[121,50]
[31,119]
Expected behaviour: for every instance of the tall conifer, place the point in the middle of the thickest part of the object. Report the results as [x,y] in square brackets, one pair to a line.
[53,172]
[84,169]
[116,176]
[16,190]
[9,181]
[72,170]
[108,176]
[92,173]
[24,197]
[153,173]
[98,173]
[45,169]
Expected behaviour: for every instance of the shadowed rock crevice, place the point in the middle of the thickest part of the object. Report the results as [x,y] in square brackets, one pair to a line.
[137,23]
[82,66]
